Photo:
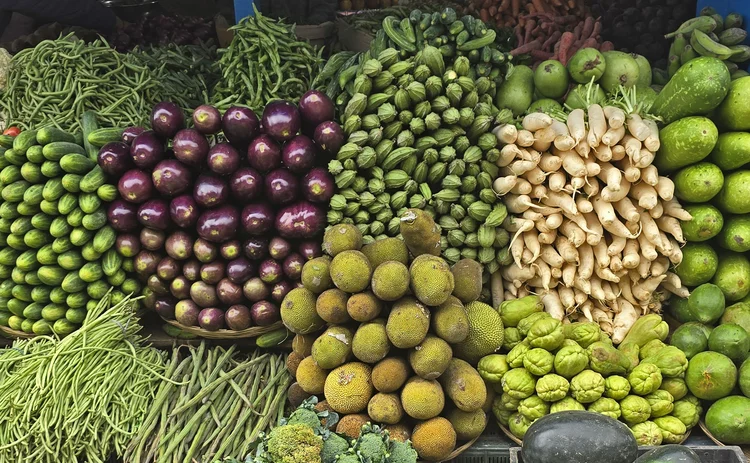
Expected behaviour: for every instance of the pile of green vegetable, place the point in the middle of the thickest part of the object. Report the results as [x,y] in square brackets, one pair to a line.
[371,21]
[57,256]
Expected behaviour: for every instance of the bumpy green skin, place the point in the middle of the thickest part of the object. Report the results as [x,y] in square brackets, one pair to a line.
[518,383]
[647,433]
[587,386]
[616,387]
[570,360]
[732,113]
[552,388]
[606,406]
[635,409]
[607,360]
[732,150]
[533,408]
[685,142]
[295,443]
[584,333]
[647,328]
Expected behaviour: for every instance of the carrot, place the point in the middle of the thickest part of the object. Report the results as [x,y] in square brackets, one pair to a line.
[572,163]
[645,194]
[504,5]
[613,136]
[554,37]
[584,205]
[484,15]
[536,121]
[535,44]
[588,26]
[566,41]
[515,8]
[550,163]
[518,31]
[618,152]
[528,29]
[576,124]
[637,128]
[657,211]
[627,210]
[665,188]
[607,46]
[672,226]
[503,185]
[623,321]
[525,138]
[597,30]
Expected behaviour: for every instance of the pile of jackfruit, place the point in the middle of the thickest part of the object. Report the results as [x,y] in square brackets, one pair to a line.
[389,333]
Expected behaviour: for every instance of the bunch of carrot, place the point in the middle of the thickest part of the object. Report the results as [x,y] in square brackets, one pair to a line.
[509,13]
[596,226]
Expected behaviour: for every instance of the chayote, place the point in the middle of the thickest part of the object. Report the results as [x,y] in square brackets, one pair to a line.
[568,403]
[606,406]
[518,425]
[607,360]
[525,325]
[675,386]
[671,361]
[552,387]
[587,386]
[508,402]
[538,361]
[503,416]
[645,378]
[647,434]
[635,409]
[631,351]
[662,403]
[584,333]
[518,383]
[512,337]
[672,429]
[515,310]
[492,367]
[651,348]
[616,387]
[533,407]
[687,412]
[645,329]
[570,360]
[546,333]
[515,356]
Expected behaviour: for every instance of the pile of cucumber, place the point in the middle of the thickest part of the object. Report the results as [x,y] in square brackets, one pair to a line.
[57,255]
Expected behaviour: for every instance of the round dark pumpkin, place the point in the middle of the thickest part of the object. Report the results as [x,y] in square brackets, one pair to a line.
[579,437]
[672,453]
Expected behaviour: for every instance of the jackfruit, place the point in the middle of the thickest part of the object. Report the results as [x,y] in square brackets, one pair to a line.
[422,399]
[363,307]
[380,251]
[390,281]
[340,238]
[467,277]
[463,384]
[390,374]
[298,312]
[370,344]
[450,321]
[434,440]
[351,425]
[430,358]
[468,425]
[292,362]
[398,432]
[385,408]
[420,232]
[485,333]
[333,347]
[351,271]
[431,279]
[407,323]
[310,377]
[331,306]
[296,395]
[302,344]
[348,388]
[316,274]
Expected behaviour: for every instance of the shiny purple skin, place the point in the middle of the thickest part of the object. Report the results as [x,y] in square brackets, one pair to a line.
[229,293]
[192,270]
[167,119]
[255,248]
[210,191]
[281,120]
[231,249]
[310,250]
[153,240]
[219,225]
[255,290]
[165,307]
[207,119]
[246,184]
[257,219]
[264,154]
[329,136]
[315,107]
[135,186]
[203,294]
[293,266]
[301,220]
[147,150]
[127,245]
[114,158]
[281,187]
[211,319]
[264,313]
[280,290]
[239,270]
[184,211]
[154,213]
[318,186]
[156,285]
[213,272]
[205,251]
[171,177]
[180,287]
[123,216]
[240,125]
[179,245]
[279,248]
[129,134]
[223,159]
[168,269]
[237,317]
[190,147]
[299,154]
[145,263]
[270,271]
[186,312]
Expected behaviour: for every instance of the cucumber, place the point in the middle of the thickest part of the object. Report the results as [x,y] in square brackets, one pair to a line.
[16,306]
[93,180]
[77,300]
[47,135]
[6,141]
[53,189]
[33,194]
[117,278]
[24,141]
[89,253]
[685,141]
[104,239]
[4,303]
[60,227]
[41,327]
[15,157]
[33,311]
[5,225]
[35,239]
[89,126]
[75,218]
[63,327]
[274,338]
[72,283]
[27,326]
[62,244]
[175,332]
[111,262]
[76,163]
[58,295]
[8,256]
[15,322]
[131,285]
[49,207]
[28,209]
[70,260]
[21,226]
[22,292]
[26,261]
[67,203]
[91,305]
[51,169]
[95,221]
[72,182]
[80,236]
[101,137]
[89,202]
[6,288]
[107,193]
[14,192]
[31,172]
[40,294]
[18,276]
[57,150]
[98,289]
[75,315]
[128,264]
[8,210]
[6,271]
[41,221]
[34,155]
[32,278]
[4,317]
[51,275]
[46,255]
[116,297]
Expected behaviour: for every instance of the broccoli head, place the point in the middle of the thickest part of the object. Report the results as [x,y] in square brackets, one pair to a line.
[371,446]
[349,457]
[294,443]
[402,452]
[333,446]
[305,416]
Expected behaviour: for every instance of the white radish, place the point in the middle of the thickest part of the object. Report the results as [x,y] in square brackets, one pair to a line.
[679,291]
[580,296]
[676,256]
[615,116]
[644,158]
[541,226]
[557,181]
[577,125]
[561,200]
[541,145]
[568,274]
[652,142]
[536,121]
[632,174]
[586,268]
[516,251]
[611,175]
[567,250]
[522,187]
[553,306]
[519,167]
[579,220]
[584,205]
[666,244]
[645,194]
[650,175]
[632,146]
[564,142]
[592,167]
[619,228]
[550,163]
[648,250]
[597,292]
[630,257]
[597,125]
[567,297]
[516,204]
[617,245]
[618,153]
[554,220]
[506,133]
[531,241]
[613,136]
[600,254]
[610,196]
[643,271]
[665,188]
[603,153]
[572,163]
[607,275]
[623,321]
[604,211]
[627,210]
[539,192]
[573,232]
[532,215]
[637,128]
[583,149]
[657,211]
[673,209]
[672,226]
[645,289]
[609,294]
[508,154]
[554,130]
[659,266]
[582,284]
[503,185]
[544,274]
[536,176]
[650,229]
[556,273]
[615,263]
[547,238]
[497,289]
[594,228]
[550,255]
[525,138]
[592,187]
[576,184]
[512,273]
[625,290]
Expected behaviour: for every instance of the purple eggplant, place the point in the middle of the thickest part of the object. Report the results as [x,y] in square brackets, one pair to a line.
[255,290]
[329,136]
[114,158]
[300,220]
[149,299]
[147,150]
[204,250]
[246,184]
[190,147]
[168,269]
[135,186]
[213,272]
[207,119]
[154,213]
[264,154]
[180,287]
[270,271]
[145,263]
[229,293]
[264,313]
[153,240]
[203,294]
[280,290]
[127,245]
[210,191]
[218,225]
[237,317]
[165,307]
[171,177]
[310,249]
[123,216]
[281,187]
[293,266]
[239,270]
[186,312]
[223,159]
[240,125]
[129,134]
[279,248]
[315,107]
[179,245]
[167,119]
[211,319]
[257,219]
[184,212]
[299,154]
[281,120]
[318,186]
[157,285]
[230,250]
[192,270]
[255,248]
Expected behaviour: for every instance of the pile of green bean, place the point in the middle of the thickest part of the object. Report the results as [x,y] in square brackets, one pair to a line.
[214,405]
[265,61]
[80,398]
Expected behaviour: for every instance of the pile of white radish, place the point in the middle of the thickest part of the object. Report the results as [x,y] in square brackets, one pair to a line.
[596,227]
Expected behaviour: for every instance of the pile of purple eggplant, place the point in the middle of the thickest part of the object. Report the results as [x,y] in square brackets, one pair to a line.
[221,217]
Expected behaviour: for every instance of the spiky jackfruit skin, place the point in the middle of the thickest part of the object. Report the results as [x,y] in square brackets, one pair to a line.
[407,323]
[420,232]
[331,306]
[333,347]
[310,377]
[340,238]
[385,408]
[468,425]
[434,440]
[422,399]
[467,277]
[431,280]
[370,343]
[351,271]
[316,274]
[348,388]
[351,425]
[430,358]
[463,384]
[386,249]
[390,281]
[298,312]
[485,333]
[363,307]
[390,374]
[450,321]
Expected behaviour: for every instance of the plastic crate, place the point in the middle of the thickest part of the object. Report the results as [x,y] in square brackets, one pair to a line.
[492,447]
[707,454]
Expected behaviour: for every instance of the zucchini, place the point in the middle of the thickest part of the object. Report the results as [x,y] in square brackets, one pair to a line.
[24,141]
[685,141]
[47,135]
[40,294]
[51,275]
[77,300]
[75,315]
[402,42]
[75,218]
[95,221]
[72,283]
[72,182]
[90,126]
[58,295]
[63,327]
[92,180]
[76,163]
[51,169]
[41,327]
[57,150]
[89,202]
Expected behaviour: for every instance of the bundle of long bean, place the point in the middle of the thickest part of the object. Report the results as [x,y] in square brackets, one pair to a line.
[265,61]
[80,398]
[214,405]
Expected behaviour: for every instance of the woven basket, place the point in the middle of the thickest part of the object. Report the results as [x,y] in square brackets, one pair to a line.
[459,450]
[518,441]
[253,332]
[13,334]
[745,448]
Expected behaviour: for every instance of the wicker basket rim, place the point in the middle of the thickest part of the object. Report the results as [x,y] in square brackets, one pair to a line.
[518,441]
[16,334]
[252,332]
[745,448]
